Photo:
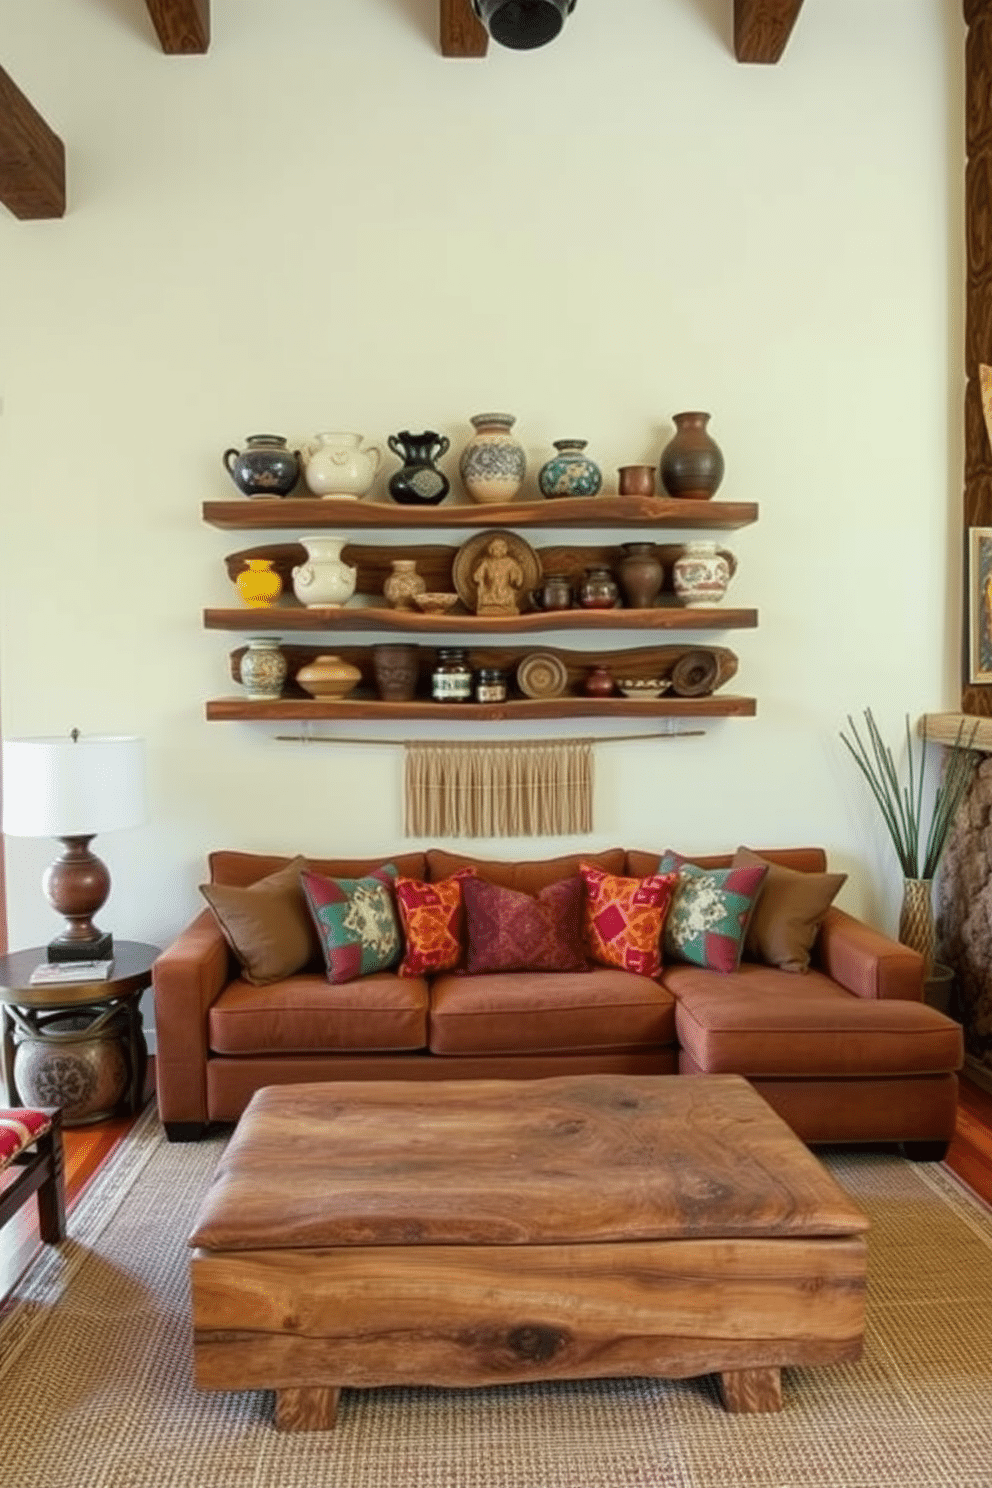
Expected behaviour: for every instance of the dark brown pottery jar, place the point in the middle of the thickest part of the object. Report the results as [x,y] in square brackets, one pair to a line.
[599,683]
[641,574]
[554,594]
[598,590]
[691,463]
[396,666]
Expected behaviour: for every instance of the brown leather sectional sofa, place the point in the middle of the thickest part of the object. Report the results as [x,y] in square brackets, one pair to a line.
[845,1052]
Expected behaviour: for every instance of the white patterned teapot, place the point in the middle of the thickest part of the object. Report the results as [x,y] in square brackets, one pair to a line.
[336,465]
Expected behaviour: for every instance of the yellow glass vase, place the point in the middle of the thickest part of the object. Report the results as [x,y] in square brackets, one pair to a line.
[258,583]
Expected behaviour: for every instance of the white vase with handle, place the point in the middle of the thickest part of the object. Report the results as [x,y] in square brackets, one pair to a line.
[324,581]
[701,573]
[336,464]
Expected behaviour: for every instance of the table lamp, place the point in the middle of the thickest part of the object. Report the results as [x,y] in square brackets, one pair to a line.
[72,788]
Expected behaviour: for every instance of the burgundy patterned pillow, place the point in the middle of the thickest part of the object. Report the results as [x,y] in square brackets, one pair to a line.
[512,931]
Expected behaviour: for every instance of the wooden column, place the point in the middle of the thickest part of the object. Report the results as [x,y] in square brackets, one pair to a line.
[32,157]
[978,300]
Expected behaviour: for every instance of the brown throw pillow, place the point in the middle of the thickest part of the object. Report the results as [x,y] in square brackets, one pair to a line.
[789,912]
[267,925]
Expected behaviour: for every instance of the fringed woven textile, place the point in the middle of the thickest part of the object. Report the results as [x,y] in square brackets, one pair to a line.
[517,789]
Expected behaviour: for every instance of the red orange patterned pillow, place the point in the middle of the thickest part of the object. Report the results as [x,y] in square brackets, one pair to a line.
[432,916]
[625,918]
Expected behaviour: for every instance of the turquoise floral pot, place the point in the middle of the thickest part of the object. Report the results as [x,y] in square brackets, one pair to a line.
[570,472]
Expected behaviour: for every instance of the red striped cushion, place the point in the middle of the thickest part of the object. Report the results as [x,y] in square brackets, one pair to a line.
[18,1129]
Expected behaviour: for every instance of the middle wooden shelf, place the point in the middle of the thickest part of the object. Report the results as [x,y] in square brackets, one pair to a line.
[362,617]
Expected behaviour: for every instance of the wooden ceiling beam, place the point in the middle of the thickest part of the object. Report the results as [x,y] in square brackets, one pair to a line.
[32,158]
[183,26]
[762,28]
[462,33]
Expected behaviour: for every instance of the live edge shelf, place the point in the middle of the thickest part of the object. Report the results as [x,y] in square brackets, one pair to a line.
[648,513]
[346,617]
[312,514]
[287,709]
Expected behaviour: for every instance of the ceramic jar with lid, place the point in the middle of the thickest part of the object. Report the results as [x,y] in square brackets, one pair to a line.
[265,467]
[336,464]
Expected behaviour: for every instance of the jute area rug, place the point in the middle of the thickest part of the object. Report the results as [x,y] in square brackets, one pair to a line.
[96,1389]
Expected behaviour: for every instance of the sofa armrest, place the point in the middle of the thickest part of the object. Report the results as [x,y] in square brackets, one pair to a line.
[187,977]
[865,961]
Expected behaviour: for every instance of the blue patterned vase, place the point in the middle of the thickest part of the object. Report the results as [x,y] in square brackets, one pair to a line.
[570,472]
[493,464]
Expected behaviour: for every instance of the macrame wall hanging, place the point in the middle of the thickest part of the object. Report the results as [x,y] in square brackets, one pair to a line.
[516,789]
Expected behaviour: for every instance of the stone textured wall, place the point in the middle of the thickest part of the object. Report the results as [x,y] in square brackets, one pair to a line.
[963,907]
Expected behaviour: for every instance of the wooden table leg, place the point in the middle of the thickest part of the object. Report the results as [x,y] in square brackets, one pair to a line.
[12,1098]
[314,1408]
[751,1389]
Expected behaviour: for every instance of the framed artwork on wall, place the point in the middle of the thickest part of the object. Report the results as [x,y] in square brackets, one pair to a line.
[980,603]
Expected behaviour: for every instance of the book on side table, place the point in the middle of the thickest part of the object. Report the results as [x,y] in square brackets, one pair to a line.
[60,973]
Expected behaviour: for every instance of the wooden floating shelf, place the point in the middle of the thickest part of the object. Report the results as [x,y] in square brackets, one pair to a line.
[315,513]
[285,710]
[285,618]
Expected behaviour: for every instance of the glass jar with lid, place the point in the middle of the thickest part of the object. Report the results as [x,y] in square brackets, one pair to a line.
[490,685]
[451,679]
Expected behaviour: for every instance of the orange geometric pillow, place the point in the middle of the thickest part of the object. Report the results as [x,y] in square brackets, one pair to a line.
[625,918]
[432,916]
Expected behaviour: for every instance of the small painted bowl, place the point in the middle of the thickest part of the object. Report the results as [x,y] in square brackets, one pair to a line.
[435,604]
[644,687]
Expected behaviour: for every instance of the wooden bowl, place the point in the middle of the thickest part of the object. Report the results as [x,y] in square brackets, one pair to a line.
[435,604]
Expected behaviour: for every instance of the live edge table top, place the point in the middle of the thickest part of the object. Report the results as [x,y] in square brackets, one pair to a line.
[479,1232]
[573,1160]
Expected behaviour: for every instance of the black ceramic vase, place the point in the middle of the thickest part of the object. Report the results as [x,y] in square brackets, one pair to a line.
[419,483]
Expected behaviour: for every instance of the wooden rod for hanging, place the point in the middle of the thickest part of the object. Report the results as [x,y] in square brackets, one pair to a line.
[467,743]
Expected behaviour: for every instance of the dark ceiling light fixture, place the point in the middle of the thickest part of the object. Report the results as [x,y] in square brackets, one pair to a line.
[523,24]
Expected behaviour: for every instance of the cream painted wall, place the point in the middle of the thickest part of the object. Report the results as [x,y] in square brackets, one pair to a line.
[325,224]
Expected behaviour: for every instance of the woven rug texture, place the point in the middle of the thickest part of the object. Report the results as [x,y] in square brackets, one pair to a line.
[96,1381]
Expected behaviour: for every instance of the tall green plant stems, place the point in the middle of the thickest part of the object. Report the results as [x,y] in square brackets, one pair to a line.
[902,804]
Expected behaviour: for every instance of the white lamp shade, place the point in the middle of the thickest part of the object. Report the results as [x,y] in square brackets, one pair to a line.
[64,787]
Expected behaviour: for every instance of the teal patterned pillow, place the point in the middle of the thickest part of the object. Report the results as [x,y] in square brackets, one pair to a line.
[710,912]
[356,921]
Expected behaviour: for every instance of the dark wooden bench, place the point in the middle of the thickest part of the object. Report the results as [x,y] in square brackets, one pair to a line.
[31,1143]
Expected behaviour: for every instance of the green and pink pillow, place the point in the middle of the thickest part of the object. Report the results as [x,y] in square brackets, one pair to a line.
[710,912]
[356,922]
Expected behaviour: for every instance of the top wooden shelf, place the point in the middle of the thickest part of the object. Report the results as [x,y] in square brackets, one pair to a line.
[314,513]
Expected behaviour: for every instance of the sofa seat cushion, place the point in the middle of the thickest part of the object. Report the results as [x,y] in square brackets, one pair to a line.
[307,1014]
[762,1021]
[531,1012]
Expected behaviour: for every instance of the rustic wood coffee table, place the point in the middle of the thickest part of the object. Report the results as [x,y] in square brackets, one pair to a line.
[481,1232]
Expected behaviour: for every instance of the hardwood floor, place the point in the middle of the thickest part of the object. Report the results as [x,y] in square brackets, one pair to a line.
[87,1148]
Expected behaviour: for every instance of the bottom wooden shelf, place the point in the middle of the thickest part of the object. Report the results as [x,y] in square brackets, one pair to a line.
[282,710]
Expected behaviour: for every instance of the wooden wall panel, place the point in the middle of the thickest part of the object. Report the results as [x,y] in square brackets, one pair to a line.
[977,699]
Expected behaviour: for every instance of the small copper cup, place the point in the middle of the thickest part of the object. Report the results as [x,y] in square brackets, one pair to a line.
[636,480]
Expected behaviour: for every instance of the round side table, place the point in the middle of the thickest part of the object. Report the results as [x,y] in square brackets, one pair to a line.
[80,1046]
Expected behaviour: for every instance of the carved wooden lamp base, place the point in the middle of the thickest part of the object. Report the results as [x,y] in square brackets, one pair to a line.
[76,886]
